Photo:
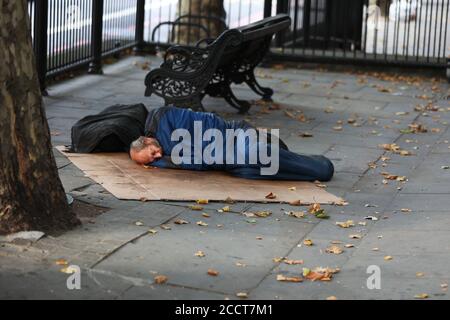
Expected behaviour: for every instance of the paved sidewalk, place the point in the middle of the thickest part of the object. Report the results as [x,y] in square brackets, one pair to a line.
[121,245]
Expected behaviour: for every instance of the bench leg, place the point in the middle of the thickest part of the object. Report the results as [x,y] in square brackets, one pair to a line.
[242,105]
[251,81]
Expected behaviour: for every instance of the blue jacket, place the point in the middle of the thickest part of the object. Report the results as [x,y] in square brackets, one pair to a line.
[162,122]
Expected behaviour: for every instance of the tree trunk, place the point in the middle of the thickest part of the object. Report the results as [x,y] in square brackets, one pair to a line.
[31,194]
[212,12]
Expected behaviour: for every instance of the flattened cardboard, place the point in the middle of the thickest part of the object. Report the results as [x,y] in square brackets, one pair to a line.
[126,180]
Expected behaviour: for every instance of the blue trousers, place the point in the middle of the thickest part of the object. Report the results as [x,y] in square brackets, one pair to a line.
[292,166]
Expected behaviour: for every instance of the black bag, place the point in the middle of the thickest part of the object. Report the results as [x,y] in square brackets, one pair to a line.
[111,130]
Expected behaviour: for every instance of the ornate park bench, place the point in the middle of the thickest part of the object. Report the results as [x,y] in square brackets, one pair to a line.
[188,73]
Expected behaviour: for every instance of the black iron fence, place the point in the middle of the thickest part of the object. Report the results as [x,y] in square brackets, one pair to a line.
[397,32]
[72,33]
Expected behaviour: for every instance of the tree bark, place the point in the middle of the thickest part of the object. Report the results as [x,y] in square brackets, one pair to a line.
[211,10]
[31,193]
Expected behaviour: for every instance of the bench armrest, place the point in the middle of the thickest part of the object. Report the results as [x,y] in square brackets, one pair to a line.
[190,67]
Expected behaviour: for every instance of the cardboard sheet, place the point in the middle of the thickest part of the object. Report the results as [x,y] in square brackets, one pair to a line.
[126,180]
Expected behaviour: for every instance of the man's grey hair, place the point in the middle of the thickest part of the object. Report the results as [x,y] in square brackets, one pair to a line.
[140,144]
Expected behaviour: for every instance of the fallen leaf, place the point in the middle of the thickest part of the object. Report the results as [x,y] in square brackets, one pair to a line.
[349,245]
[406,210]
[213,272]
[181,221]
[315,207]
[202,201]
[331,298]
[281,277]
[152,231]
[139,223]
[355,236]
[307,242]
[419,274]
[240,264]
[200,254]
[292,262]
[271,195]
[196,207]
[337,128]
[295,203]
[61,262]
[346,224]
[226,209]
[319,273]
[421,296]
[69,270]
[160,279]
[242,295]
[388,258]
[293,189]
[263,214]
[334,250]
[296,214]
[201,223]
[229,200]
[204,214]
[306,135]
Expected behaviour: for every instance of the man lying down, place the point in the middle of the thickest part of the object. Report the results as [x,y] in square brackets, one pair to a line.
[184,139]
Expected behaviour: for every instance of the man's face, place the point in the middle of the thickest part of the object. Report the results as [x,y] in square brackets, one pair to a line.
[150,153]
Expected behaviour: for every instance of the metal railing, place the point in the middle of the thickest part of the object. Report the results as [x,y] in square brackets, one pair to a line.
[390,32]
[68,34]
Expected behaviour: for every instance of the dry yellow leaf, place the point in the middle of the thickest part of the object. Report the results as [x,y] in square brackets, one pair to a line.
[213,272]
[307,242]
[202,201]
[292,262]
[202,224]
[387,258]
[69,270]
[204,214]
[281,277]
[199,254]
[334,250]
[196,207]
[181,221]
[61,262]
[242,295]
[160,279]
[421,296]
[346,224]
[331,298]
[314,208]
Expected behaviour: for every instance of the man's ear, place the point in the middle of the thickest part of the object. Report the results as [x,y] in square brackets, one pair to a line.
[148,140]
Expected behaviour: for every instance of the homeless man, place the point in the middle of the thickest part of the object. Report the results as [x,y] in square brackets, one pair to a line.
[184,139]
